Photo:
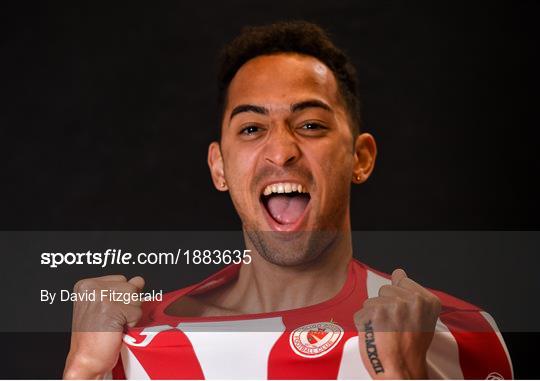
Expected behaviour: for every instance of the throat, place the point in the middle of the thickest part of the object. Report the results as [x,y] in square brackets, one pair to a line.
[269,288]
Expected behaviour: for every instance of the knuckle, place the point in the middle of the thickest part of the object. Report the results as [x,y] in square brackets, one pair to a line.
[400,307]
[385,289]
[84,285]
[403,281]
[420,304]
[402,304]
[130,288]
[107,308]
[418,299]
[379,313]
[78,285]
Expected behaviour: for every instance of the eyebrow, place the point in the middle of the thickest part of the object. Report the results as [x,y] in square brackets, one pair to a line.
[248,108]
[295,107]
[312,103]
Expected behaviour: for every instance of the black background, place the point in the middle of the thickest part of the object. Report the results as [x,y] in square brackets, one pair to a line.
[108,109]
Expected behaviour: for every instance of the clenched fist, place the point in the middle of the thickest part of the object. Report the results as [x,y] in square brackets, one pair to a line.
[396,329]
[98,326]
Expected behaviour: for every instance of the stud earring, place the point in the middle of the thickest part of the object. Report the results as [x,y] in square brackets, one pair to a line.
[223,184]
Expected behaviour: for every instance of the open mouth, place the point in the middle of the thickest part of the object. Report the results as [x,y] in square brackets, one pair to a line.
[285,203]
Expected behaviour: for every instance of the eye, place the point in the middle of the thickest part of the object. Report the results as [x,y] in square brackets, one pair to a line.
[249,130]
[312,129]
[312,126]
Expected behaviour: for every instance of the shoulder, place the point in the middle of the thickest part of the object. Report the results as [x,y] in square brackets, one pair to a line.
[375,279]
[467,342]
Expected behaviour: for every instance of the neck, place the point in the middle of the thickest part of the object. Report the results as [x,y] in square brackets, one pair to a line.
[266,287]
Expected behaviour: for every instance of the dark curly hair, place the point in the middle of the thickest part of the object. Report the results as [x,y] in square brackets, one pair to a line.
[291,37]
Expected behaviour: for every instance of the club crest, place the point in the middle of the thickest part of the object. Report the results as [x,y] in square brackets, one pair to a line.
[316,339]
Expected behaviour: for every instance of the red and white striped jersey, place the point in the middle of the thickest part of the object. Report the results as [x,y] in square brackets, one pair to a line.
[315,342]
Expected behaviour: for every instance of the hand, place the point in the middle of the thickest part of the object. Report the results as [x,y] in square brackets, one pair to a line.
[396,329]
[98,326]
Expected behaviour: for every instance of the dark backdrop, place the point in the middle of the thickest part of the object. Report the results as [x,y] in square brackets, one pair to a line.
[107,111]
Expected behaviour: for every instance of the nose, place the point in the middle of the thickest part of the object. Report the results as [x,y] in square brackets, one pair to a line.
[281,148]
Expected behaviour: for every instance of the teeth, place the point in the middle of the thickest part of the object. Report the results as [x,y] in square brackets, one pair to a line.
[284,188]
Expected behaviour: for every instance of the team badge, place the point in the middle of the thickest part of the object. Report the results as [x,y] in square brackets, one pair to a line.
[316,339]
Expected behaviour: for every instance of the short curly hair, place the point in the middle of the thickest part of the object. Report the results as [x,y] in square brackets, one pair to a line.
[300,37]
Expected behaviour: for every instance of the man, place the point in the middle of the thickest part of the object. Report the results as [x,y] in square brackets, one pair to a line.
[290,147]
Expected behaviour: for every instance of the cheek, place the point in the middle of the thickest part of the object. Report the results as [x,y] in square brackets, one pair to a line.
[334,164]
[236,164]
[336,160]
[238,173]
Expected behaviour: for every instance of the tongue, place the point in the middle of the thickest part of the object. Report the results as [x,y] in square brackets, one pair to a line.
[286,209]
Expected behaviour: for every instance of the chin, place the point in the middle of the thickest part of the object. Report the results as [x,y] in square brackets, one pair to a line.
[291,248]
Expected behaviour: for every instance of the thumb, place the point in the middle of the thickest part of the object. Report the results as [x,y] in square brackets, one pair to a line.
[397,276]
[137,281]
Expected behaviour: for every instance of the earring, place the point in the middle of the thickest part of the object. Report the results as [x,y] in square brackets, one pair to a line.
[357,178]
[223,184]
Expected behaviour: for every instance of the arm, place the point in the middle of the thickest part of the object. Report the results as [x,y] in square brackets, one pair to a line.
[98,327]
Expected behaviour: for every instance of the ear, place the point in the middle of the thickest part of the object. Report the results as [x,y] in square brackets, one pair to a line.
[215,162]
[365,152]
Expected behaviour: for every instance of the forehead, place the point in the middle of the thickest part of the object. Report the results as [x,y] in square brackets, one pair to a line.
[281,79]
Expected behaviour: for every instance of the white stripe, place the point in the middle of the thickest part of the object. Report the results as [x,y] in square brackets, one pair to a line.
[443,355]
[149,334]
[351,366]
[495,328]
[132,367]
[234,349]
[374,283]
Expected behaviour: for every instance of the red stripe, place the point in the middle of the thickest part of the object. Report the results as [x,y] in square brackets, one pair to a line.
[480,350]
[118,370]
[170,355]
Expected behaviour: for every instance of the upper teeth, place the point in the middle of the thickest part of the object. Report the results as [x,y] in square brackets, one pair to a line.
[284,188]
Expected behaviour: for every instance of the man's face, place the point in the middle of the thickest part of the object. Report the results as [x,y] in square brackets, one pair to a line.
[288,157]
